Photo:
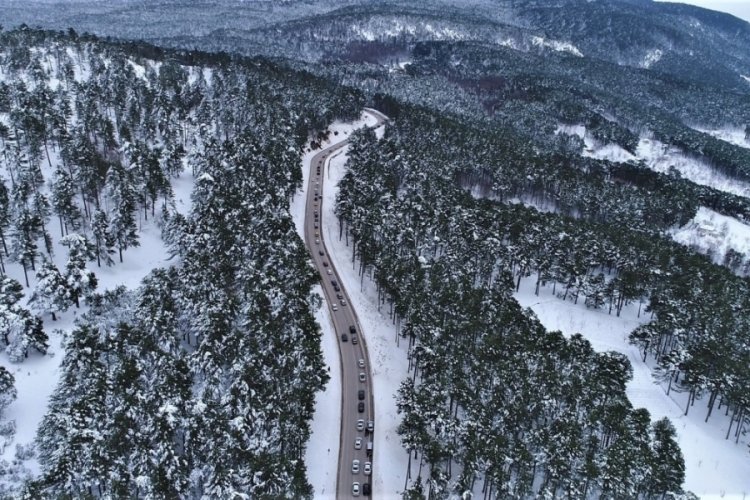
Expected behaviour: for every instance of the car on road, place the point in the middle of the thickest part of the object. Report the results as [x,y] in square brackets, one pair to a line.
[360,424]
[344,337]
[325,264]
[320,252]
[339,296]
[361,363]
[329,271]
[352,329]
[367,470]
[366,489]
[362,376]
[361,396]
[342,302]
[335,308]
[355,489]
[354,339]
[334,283]
[370,426]
[317,241]
[358,443]
[355,466]
[361,407]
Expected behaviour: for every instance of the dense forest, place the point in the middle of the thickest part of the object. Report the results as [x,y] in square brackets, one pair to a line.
[201,381]
[448,262]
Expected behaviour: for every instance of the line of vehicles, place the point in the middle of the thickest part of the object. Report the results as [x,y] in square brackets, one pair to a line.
[365,428]
[365,488]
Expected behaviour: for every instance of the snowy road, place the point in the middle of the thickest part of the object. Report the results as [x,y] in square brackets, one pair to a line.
[355,383]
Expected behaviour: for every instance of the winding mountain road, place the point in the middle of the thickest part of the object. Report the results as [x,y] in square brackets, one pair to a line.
[355,362]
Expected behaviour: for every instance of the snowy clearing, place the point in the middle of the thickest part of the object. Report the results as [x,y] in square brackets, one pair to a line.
[714,234]
[732,135]
[714,467]
[661,157]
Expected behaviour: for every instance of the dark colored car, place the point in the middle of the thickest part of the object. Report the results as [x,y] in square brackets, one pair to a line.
[361,394]
[344,338]
[361,407]
[366,489]
[352,329]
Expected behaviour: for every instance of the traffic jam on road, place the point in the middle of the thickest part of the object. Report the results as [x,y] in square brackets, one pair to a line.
[359,469]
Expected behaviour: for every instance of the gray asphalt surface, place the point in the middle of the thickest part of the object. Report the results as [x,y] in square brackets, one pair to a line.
[351,355]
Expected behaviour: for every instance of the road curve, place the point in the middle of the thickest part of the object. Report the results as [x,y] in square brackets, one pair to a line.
[354,359]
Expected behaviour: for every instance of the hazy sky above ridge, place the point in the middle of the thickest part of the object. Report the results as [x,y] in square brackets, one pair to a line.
[739,8]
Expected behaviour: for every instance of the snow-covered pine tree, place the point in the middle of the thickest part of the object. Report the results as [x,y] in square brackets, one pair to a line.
[23,241]
[8,391]
[122,192]
[103,240]
[63,201]
[79,280]
[51,292]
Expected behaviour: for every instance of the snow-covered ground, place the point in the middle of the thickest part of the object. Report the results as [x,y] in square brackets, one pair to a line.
[661,157]
[713,234]
[732,135]
[37,376]
[715,467]
[388,361]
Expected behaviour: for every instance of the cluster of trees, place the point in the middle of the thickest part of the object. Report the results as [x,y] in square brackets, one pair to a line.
[430,245]
[528,95]
[201,382]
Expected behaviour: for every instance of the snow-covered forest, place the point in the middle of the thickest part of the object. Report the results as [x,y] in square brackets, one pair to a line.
[547,246]
[447,262]
[200,380]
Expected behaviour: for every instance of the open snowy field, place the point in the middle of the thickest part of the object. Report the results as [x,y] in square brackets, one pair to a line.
[732,135]
[714,234]
[662,157]
[714,467]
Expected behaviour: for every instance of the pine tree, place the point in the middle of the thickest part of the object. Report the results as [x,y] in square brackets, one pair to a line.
[41,208]
[123,225]
[668,464]
[50,292]
[4,215]
[7,389]
[63,201]
[79,280]
[26,331]
[23,243]
[103,240]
